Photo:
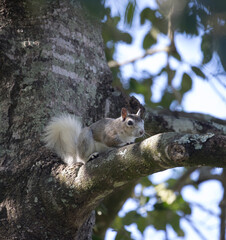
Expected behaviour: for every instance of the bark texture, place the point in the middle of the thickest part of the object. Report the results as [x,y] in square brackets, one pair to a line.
[159,121]
[52,61]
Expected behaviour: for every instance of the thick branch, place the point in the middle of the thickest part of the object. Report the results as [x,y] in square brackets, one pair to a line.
[82,190]
[158,121]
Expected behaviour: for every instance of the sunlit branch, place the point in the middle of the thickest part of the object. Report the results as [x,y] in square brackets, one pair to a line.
[158,121]
[148,52]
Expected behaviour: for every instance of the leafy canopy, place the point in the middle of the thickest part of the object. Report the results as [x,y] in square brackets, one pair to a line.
[168,19]
[164,207]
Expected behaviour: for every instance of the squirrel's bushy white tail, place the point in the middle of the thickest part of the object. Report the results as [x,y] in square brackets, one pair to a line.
[61,134]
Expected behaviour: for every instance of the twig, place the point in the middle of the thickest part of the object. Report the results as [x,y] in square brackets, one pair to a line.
[217,91]
[148,52]
[170,25]
[212,84]
[204,209]
[171,34]
[183,180]
[194,227]
[219,79]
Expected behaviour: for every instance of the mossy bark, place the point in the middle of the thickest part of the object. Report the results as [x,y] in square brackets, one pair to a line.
[52,61]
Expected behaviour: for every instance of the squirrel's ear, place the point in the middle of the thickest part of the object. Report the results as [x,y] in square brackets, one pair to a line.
[139,112]
[124,113]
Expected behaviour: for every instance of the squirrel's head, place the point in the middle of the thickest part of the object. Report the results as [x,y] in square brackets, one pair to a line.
[133,123]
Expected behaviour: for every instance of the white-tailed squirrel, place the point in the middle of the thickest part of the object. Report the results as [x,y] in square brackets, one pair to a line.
[74,144]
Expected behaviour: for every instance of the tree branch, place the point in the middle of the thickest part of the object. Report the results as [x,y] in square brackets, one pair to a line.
[77,191]
[198,232]
[204,209]
[158,121]
[148,52]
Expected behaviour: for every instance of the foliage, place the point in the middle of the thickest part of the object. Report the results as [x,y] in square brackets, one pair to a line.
[94,7]
[167,19]
[166,210]
[165,207]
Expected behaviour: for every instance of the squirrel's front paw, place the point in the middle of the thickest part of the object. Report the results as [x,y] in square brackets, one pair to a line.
[93,156]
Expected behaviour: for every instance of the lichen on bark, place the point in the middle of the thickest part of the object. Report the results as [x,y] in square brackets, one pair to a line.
[52,62]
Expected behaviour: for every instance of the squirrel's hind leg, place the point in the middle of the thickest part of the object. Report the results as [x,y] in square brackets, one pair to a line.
[86,146]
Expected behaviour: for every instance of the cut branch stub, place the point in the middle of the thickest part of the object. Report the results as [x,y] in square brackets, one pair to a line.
[177,152]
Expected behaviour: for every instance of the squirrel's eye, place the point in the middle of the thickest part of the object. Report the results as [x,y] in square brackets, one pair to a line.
[130,122]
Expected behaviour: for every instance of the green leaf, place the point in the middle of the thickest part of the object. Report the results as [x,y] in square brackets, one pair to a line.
[117,224]
[158,219]
[95,237]
[176,55]
[148,41]
[185,21]
[163,216]
[167,99]
[175,223]
[111,33]
[186,83]
[171,182]
[207,48]
[142,223]
[130,218]
[147,14]
[183,206]
[198,72]
[123,234]
[143,200]
[155,17]
[142,87]
[145,182]
[160,206]
[129,13]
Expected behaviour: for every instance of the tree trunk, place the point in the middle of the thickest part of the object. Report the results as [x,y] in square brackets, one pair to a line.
[52,61]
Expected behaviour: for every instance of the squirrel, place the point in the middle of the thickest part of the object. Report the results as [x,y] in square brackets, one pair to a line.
[75,144]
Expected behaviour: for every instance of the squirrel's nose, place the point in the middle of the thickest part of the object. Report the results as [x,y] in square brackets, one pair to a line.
[141,132]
